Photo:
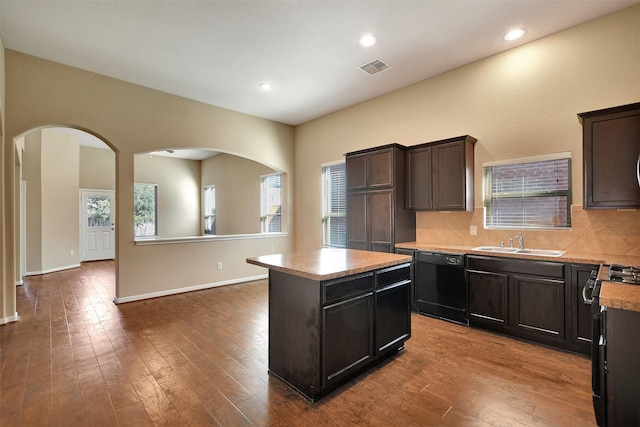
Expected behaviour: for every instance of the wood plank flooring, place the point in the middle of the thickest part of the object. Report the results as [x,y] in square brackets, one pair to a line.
[200,359]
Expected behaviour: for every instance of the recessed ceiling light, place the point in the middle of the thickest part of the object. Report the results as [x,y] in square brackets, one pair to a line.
[367,40]
[514,34]
[266,86]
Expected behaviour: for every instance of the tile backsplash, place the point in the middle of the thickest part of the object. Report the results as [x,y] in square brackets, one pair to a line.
[592,231]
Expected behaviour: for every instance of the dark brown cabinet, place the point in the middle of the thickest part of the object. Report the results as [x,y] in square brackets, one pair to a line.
[323,333]
[622,370]
[440,175]
[611,144]
[577,311]
[522,298]
[376,216]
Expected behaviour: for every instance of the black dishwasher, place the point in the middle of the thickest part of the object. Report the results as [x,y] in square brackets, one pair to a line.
[440,286]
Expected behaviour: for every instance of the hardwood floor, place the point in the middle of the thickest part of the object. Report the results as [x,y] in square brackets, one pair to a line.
[200,358]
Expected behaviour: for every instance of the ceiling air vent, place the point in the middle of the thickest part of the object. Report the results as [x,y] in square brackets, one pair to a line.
[375,66]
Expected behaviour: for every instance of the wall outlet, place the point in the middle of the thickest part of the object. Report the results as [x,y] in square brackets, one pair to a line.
[473,230]
[219,265]
[71,252]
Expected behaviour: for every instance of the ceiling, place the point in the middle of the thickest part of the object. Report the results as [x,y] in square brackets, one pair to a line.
[218,52]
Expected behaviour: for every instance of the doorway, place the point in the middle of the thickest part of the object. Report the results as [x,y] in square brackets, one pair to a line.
[97,225]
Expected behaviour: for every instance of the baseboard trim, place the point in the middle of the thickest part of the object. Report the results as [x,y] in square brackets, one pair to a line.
[9,319]
[19,283]
[51,270]
[139,297]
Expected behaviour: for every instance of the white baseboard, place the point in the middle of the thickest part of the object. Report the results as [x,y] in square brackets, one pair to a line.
[10,319]
[132,298]
[52,270]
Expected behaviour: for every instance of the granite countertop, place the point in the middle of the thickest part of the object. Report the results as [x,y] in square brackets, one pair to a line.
[615,295]
[326,264]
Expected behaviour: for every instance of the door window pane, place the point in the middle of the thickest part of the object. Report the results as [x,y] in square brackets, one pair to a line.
[98,211]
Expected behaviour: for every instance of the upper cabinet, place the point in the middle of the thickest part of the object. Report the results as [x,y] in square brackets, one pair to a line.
[611,143]
[376,214]
[440,175]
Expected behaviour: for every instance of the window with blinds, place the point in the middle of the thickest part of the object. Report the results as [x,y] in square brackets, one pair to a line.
[271,203]
[534,194]
[334,206]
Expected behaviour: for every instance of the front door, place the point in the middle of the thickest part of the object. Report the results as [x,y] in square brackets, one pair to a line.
[97,231]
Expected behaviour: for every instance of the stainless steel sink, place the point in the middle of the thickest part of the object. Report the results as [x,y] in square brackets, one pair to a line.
[526,251]
[496,249]
[541,252]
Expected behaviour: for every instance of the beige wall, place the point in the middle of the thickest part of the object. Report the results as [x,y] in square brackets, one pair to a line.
[97,168]
[522,102]
[52,213]
[60,193]
[7,258]
[133,119]
[178,193]
[237,182]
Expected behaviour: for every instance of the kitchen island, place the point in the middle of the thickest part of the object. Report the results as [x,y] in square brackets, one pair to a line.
[333,313]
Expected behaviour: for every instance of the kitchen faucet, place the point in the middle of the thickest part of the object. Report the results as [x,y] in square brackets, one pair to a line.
[520,240]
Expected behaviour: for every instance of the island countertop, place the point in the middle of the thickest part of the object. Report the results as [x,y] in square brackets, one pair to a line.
[328,263]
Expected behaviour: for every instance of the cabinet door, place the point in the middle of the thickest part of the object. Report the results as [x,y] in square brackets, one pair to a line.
[379,220]
[347,337]
[449,176]
[356,221]
[356,171]
[488,299]
[380,168]
[611,151]
[537,308]
[393,321]
[580,313]
[419,179]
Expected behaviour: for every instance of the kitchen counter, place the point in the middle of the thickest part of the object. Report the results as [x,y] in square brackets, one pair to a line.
[626,297]
[326,264]
[334,313]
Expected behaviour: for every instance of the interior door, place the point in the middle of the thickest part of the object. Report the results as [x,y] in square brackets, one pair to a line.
[97,230]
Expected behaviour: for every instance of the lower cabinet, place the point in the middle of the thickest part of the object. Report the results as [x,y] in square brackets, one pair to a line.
[579,312]
[323,333]
[522,298]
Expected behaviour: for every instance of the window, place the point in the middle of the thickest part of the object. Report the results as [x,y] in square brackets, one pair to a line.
[531,194]
[334,206]
[270,202]
[209,208]
[144,210]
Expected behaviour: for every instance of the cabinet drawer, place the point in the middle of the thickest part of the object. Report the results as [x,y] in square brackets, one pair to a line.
[339,289]
[393,275]
[536,268]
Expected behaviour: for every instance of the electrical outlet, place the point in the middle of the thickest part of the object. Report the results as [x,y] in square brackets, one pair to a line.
[71,252]
[219,265]
[473,230]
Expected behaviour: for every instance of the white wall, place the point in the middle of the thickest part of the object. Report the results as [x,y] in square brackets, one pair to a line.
[97,168]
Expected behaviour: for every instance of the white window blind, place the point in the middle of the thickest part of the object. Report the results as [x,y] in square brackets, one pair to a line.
[271,196]
[528,195]
[334,206]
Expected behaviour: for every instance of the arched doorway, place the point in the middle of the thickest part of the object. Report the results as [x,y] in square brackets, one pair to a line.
[55,167]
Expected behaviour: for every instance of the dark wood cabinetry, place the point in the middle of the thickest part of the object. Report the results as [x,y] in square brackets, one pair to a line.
[577,311]
[323,333]
[611,144]
[376,216]
[622,370]
[440,175]
[523,298]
